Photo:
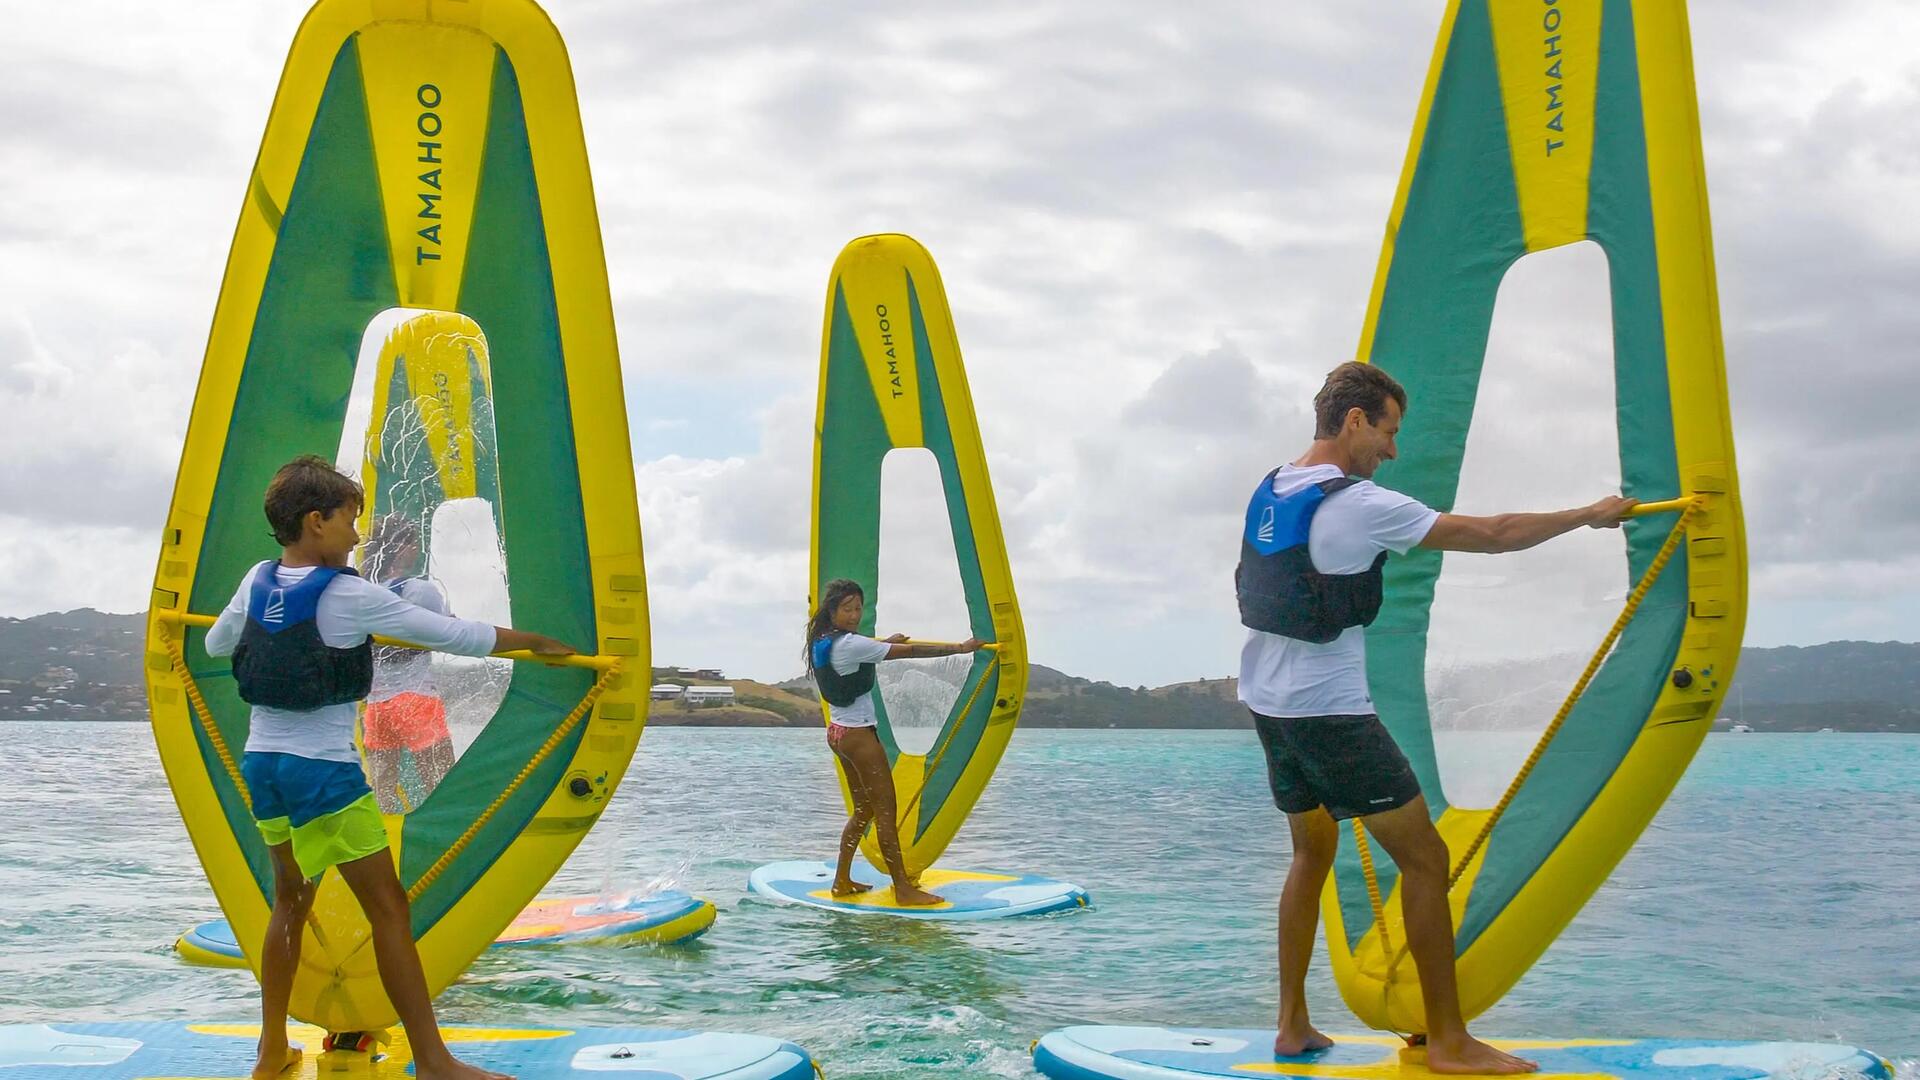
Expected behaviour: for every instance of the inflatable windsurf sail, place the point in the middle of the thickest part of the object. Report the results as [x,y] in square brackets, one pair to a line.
[891,377]
[1543,125]
[425,157]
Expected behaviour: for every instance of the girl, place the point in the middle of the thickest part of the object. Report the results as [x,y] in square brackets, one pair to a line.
[841,663]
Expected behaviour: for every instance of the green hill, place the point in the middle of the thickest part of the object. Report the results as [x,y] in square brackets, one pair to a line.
[86,665]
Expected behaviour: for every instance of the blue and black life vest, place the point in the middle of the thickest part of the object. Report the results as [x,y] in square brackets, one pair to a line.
[281,662]
[838,689]
[1280,591]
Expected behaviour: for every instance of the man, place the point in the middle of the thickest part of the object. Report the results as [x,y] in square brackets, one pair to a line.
[1318,532]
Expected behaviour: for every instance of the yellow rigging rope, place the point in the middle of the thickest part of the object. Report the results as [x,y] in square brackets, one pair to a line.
[1687,508]
[926,774]
[609,668]
[205,716]
[560,733]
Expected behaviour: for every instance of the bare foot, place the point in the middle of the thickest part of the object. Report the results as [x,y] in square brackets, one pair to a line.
[1467,1054]
[850,887]
[910,895]
[1293,1042]
[455,1069]
[273,1062]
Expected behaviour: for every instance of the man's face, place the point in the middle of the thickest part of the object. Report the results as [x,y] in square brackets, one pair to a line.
[1373,443]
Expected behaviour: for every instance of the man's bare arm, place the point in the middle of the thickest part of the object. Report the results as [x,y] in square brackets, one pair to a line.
[1517,532]
[507,639]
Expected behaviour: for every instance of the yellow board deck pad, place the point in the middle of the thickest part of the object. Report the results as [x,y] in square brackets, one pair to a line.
[891,378]
[1160,1053]
[130,1051]
[965,895]
[421,187]
[1542,125]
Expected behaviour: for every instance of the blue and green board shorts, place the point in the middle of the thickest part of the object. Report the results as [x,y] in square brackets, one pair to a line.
[324,807]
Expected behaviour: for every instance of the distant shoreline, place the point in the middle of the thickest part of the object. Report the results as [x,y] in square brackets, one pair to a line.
[83,666]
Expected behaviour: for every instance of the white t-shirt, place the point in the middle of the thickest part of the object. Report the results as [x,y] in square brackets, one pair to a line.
[350,609]
[408,671]
[1283,676]
[849,652]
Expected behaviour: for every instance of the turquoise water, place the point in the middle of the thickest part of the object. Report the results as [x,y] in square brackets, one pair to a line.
[1773,898]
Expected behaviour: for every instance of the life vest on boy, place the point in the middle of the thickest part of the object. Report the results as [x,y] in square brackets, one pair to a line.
[281,662]
[1280,591]
[838,689]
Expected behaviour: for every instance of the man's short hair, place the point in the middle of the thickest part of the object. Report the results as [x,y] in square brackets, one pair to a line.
[303,485]
[1350,386]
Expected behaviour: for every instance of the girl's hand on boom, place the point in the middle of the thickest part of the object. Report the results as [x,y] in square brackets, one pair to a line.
[897,639]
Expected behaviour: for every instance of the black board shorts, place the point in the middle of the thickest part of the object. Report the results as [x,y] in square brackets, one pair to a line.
[1348,764]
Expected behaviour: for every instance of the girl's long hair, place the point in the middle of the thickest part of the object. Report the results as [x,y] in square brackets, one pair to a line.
[832,595]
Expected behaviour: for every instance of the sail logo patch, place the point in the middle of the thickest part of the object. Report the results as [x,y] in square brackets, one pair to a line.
[1556,108]
[429,126]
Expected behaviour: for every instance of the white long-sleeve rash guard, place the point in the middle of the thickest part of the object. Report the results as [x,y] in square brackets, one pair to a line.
[350,609]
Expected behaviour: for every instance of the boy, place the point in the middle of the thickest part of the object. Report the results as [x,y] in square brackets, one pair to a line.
[297,631]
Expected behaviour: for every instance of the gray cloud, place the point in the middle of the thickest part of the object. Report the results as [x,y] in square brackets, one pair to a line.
[1158,228]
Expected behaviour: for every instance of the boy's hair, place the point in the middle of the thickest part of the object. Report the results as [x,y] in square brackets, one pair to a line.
[1350,386]
[303,485]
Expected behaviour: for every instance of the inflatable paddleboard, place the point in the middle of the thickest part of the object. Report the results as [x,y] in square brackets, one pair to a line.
[211,944]
[1158,1053]
[968,894]
[659,919]
[220,1051]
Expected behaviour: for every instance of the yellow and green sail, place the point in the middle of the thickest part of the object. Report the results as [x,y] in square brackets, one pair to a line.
[1544,124]
[891,377]
[425,156]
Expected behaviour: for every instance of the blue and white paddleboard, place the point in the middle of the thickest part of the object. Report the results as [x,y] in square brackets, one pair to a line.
[1158,1053]
[211,944]
[220,1051]
[966,894]
[659,918]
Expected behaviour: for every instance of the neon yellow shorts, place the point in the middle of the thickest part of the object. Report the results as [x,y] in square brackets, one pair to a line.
[355,831]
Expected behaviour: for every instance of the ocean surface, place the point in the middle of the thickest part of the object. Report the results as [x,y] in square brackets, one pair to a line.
[1773,898]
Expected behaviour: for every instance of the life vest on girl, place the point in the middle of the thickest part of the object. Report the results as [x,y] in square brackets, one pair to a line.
[1280,591]
[838,689]
[281,662]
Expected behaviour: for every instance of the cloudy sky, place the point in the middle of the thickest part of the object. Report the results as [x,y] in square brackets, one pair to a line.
[1157,225]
